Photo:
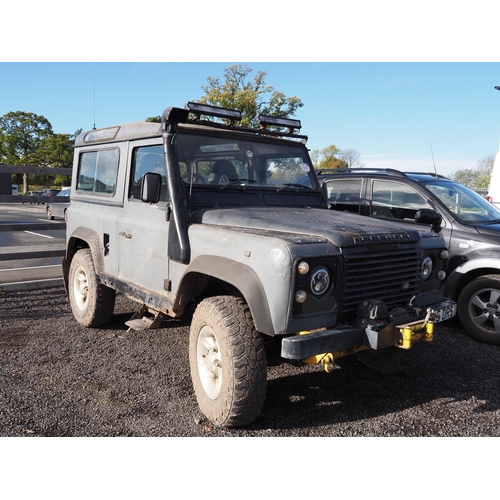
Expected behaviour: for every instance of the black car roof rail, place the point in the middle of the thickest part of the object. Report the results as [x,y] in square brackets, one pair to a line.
[392,171]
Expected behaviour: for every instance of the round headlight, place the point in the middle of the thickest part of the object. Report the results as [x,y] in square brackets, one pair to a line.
[320,280]
[427,267]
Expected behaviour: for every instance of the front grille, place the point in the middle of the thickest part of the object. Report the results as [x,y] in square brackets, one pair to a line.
[391,276]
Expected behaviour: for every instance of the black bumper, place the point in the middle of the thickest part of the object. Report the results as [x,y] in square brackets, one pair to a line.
[337,339]
[303,346]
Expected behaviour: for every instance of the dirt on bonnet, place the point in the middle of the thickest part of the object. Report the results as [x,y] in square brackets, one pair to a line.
[60,379]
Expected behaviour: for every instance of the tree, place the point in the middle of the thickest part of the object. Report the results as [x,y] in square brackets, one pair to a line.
[251,97]
[21,135]
[56,151]
[351,157]
[328,158]
[478,177]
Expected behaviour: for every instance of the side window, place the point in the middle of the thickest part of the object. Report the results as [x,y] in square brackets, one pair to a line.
[97,172]
[344,195]
[147,159]
[395,200]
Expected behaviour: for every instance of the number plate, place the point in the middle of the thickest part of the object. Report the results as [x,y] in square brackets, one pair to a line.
[445,313]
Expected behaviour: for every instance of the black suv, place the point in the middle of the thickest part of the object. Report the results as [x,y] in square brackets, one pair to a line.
[469,224]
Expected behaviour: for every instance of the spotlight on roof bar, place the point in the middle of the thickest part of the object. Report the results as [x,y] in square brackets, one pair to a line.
[197,109]
[277,121]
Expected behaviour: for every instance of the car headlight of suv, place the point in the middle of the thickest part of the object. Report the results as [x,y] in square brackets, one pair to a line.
[319,281]
[427,268]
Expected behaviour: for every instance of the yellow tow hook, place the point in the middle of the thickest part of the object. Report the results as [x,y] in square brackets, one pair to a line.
[326,359]
[414,331]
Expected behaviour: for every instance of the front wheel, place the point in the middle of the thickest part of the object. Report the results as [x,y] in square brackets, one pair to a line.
[479,309]
[49,214]
[92,303]
[228,362]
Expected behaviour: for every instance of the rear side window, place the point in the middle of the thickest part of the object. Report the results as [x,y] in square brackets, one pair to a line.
[344,194]
[97,172]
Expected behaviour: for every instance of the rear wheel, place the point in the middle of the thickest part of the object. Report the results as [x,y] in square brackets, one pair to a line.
[479,309]
[49,214]
[91,302]
[228,362]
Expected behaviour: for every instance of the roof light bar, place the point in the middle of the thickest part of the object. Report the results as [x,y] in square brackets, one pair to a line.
[205,109]
[277,121]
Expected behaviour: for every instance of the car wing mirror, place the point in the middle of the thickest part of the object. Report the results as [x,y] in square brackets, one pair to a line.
[428,216]
[151,187]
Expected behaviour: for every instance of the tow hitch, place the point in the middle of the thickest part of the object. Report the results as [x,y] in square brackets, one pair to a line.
[375,329]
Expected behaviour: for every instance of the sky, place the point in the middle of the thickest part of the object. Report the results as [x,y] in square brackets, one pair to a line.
[405,115]
[407,88]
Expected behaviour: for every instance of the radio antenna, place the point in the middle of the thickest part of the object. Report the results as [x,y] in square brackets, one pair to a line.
[93,84]
[433,162]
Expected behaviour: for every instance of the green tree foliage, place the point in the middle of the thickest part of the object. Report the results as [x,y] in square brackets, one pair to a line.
[478,177]
[328,158]
[21,134]
[250,96]
[27,139]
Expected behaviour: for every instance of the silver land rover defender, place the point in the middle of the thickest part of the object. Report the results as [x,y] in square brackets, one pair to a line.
[200,216]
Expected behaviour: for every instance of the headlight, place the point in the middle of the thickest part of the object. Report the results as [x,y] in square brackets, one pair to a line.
[427,266]
[320,280]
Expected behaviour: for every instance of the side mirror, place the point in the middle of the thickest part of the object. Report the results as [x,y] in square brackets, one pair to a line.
[151,187]
[428,216]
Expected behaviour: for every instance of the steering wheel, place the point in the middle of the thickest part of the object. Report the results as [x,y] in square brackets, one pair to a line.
[197,178]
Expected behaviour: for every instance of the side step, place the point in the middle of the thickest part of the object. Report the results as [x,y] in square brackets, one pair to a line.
[141,321]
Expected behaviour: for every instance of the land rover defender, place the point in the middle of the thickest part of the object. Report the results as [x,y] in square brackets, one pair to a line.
[200,216]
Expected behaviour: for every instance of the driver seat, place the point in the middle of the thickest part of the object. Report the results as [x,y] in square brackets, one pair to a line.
[222,172]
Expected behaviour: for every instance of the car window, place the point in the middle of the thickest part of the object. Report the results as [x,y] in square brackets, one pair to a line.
[464,203]
[344,194]
[395,200]
[147,159]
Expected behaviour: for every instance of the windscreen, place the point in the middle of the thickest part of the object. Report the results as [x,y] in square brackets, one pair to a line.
[233,160]
[467,205]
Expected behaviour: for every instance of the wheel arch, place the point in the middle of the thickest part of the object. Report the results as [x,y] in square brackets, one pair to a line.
[83,237]
[206,271]
[465,273]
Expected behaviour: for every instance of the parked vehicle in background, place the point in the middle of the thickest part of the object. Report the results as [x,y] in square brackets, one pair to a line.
[198,217]
[469,224]
[31,193]
[494,187]
[58,208]
[49,192]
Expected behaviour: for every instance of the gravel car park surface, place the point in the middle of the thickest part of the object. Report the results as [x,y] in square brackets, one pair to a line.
[60,379]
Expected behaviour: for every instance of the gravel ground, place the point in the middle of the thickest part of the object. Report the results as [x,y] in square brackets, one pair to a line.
[60,379]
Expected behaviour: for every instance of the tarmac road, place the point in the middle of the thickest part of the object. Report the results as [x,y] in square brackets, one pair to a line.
[60,379]
[21,274]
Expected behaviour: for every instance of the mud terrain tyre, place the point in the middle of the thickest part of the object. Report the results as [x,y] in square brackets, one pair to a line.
[91,302]
[228,362]
[479,309]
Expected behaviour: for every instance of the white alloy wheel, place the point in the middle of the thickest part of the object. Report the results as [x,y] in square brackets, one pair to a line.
[209,359]
[81,288]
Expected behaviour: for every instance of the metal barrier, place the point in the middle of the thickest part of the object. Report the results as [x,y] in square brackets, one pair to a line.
[40,251]
[36,252]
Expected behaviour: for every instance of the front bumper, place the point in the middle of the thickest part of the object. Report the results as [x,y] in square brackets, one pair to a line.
[418,325]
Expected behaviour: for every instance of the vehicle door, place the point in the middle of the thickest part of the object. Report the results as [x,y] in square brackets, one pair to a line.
[399,202]
[345,195]
[143,230]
